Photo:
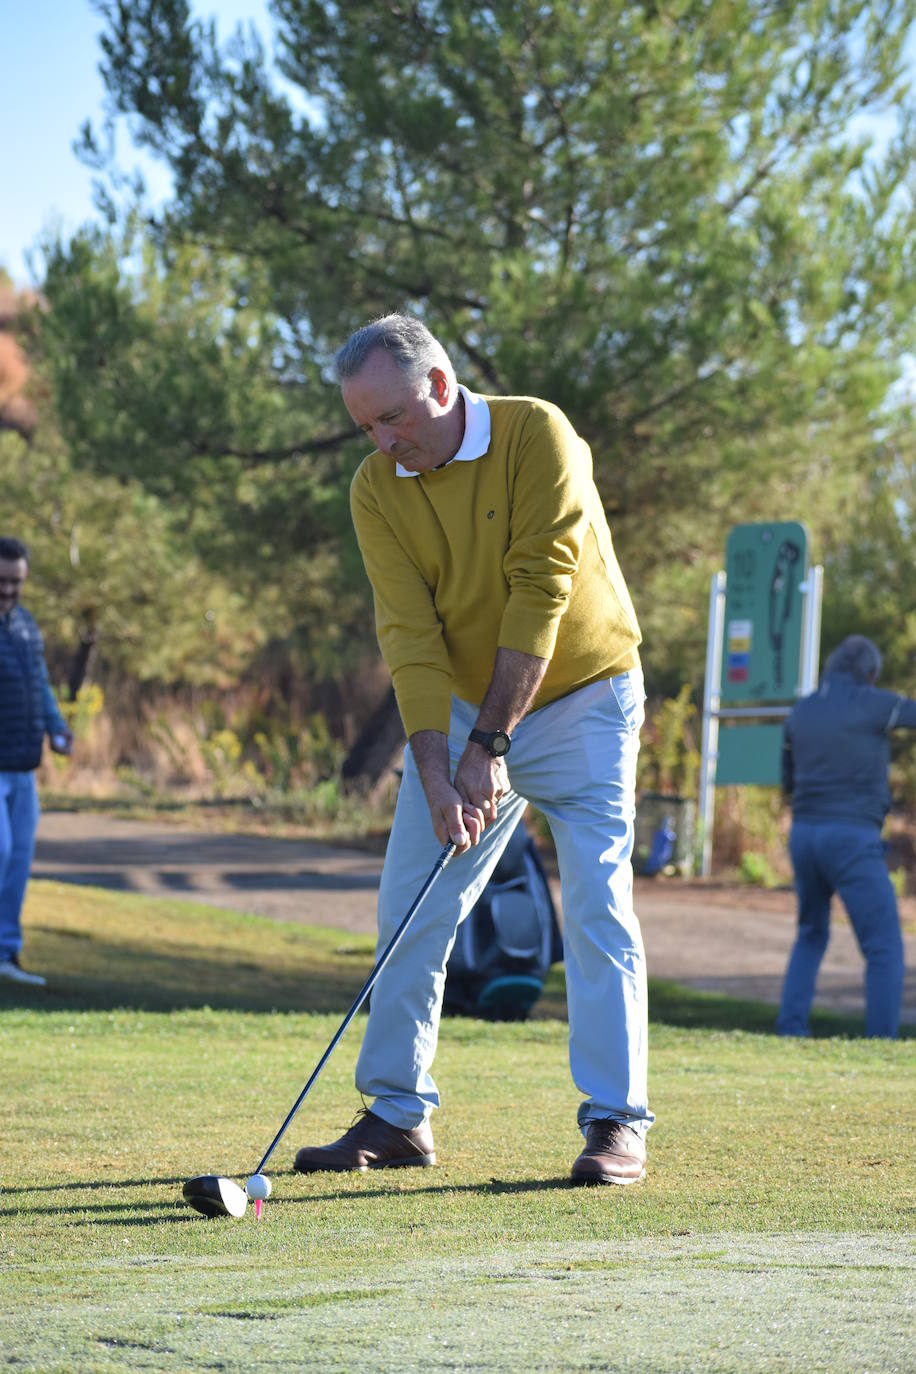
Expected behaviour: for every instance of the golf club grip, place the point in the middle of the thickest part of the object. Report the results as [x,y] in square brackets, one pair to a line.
[363,993]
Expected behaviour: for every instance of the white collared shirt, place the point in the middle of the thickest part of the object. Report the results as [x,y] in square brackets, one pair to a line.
[476,439]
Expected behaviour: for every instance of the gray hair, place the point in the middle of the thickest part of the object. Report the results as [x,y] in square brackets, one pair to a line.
[407,341]
[857,656]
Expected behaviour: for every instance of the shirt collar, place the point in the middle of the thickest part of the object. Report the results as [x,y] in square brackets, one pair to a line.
[476,439]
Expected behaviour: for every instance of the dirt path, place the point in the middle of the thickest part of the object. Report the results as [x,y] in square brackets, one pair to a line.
[711,936]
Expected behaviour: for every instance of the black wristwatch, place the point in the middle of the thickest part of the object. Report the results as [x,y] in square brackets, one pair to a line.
[496,742]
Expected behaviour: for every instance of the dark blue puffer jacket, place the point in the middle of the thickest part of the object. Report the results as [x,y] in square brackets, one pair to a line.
[27,707]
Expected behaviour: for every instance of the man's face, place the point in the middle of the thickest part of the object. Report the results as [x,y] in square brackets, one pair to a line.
[413,422]
[13,573]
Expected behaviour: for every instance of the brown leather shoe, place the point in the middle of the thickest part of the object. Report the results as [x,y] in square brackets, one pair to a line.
[613,1153]
[370,1143]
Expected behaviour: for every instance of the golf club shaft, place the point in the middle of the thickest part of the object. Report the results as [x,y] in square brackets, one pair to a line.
[442,860]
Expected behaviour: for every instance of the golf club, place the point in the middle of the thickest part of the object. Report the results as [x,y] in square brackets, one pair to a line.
[213,1195]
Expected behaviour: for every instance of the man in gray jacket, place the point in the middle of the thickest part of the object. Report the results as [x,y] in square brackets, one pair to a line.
[28,711]
[836,756]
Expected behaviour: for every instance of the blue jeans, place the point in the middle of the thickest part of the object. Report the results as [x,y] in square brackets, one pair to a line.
[576,760]
[832,857]
[18,823]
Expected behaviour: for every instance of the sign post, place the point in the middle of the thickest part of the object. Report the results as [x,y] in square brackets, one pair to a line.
[762,651]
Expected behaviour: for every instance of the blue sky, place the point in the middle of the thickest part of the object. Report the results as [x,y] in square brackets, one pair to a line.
[49,85]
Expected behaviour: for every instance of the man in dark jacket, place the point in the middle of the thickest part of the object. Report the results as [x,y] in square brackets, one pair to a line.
[28,712]
[836,756]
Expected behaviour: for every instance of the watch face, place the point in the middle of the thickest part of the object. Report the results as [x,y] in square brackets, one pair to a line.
[496,742]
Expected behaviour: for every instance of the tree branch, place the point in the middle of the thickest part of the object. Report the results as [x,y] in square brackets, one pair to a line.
[273,455]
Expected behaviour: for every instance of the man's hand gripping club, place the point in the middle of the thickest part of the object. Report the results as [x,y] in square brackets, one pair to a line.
[454,819]
[461,810]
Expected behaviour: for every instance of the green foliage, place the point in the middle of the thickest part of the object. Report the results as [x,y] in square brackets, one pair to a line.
[755,870]
[751,835]
[108,567]
[267,754]
[82,711]
[222,754]
[870,563]
[169,374]
[135,783]
[79,715]
[265,759]
[280,762]
[664,219]
[669,759]
[291,758]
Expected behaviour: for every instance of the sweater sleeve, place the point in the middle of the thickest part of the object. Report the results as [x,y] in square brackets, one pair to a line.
[551,481]
[408,627]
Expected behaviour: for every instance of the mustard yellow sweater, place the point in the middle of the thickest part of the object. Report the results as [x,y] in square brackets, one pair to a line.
[510,551]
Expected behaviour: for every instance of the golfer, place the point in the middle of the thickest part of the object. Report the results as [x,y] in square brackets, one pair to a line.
[836,754]
[512,642]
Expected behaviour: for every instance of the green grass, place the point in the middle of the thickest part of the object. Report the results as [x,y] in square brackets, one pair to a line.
[774,1232]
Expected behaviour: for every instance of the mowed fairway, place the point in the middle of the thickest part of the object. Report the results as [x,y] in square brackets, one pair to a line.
[774,1232]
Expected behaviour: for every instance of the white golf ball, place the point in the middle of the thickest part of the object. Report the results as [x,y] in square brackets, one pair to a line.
[258,1187]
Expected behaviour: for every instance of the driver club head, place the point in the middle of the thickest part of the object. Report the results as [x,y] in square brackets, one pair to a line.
[215,1196]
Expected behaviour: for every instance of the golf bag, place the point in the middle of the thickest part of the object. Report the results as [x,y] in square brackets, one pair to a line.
[506,945]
